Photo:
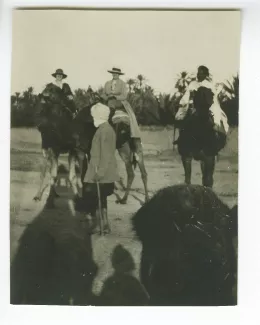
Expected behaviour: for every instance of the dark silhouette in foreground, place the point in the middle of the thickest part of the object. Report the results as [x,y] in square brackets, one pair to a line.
[188,256]
[53,264]
[122,288]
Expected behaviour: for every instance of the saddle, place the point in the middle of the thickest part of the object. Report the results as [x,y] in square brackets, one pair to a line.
[118,113]
[120,116]
[115,104]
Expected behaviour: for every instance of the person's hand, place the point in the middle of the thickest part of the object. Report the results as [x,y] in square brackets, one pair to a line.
[111,97]
[97,177]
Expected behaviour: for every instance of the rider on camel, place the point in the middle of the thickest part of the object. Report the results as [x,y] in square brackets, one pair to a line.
[62,91]
[56,93]
[186,103]
[115,94]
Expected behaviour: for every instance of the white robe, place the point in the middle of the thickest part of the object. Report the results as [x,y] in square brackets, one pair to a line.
[220,118]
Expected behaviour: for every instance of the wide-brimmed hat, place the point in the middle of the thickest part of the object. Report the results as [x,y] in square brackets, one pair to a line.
[115,70]
[59,71]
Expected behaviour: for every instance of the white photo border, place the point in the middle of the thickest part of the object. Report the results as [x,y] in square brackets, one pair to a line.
[249,185]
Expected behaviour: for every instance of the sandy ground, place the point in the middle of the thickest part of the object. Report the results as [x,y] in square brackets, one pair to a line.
[163,167]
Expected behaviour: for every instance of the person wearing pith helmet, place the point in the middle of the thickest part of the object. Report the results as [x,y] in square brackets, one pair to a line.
[115,95]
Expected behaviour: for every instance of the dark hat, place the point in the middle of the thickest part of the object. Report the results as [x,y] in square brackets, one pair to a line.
[116,70]
[59,71]
[204,69]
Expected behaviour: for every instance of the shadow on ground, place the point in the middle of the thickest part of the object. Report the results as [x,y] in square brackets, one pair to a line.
[122,288]
[54,263]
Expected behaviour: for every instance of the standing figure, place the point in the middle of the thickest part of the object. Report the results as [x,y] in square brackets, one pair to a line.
[102,170]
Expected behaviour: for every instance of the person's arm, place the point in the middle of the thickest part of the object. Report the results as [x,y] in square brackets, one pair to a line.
[107,137]
[46,91]
[123,93]
[183,106]
[185,98]
[46,94]
[68,92]
[69,99]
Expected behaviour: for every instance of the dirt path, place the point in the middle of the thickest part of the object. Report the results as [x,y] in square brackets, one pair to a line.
[163,167]
[162,171]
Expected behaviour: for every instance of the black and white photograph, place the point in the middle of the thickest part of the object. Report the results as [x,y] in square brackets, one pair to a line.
[124,157]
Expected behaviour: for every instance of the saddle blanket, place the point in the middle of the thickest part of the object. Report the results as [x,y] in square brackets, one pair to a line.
[120,117]
[135,131]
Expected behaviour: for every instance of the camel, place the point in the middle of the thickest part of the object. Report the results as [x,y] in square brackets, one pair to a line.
[61,133]
[198,138]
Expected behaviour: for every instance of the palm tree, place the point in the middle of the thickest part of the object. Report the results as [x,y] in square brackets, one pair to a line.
[149,91]
[131,83]
[17,95]
[229,99]
[230,89]
[141,78]
[80,97]
[183,80]
[17,98]
[168,108]
[30,90]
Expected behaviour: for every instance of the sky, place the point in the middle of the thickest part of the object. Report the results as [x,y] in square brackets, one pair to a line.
[157,44]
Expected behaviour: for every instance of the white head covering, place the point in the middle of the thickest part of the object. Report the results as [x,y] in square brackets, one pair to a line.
[100,113]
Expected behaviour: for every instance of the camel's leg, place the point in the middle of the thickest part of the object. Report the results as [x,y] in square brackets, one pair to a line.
[72,173]
[202,167]
[186,162]
[207,169]
[140,161]
[54,173]
[126,155]
[46,161]
[83,165]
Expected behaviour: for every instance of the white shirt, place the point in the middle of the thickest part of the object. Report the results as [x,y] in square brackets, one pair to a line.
[218,115]
[194,85]
[113,86]
[58,83]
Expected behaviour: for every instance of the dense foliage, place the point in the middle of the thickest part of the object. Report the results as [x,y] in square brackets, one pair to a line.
[150,108]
